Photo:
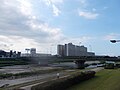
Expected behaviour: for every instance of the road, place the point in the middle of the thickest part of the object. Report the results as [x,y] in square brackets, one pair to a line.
[26,79]
[41,77]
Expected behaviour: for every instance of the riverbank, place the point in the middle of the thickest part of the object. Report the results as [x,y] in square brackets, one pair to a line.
[64,82]
[107,79]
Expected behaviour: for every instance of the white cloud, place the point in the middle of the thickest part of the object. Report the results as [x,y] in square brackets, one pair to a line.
[48,33]
[57,1]
[25,7]
[56,11]
[49,2]
[13,42]
[23,23]
[86,11]
[82,39]
[19,25]
[83,3]
[54,5]
[88,15]
[104,8]
[22,28]
[111,36]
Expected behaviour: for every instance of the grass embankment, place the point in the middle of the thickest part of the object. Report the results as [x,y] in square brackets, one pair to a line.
[107,79]
[26,74]
[64,82]
[12,61]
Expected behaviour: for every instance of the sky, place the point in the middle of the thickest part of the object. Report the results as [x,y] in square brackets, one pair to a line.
[43,24]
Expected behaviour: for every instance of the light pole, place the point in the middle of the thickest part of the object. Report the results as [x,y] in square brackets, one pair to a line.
[27,50]
[114,41]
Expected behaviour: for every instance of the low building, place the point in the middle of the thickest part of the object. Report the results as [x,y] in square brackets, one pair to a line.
[90,54]
[35,55]
[33,51]
[11,54]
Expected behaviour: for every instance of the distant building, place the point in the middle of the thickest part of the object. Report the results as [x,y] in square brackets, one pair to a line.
[60,50]
[90,54]
[73,50]
[2,53]
[33,51]
[70,49]
[35,55]
[11,54]
[18,54]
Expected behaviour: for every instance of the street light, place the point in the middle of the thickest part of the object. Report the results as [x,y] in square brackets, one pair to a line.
[27,50]
[114,41]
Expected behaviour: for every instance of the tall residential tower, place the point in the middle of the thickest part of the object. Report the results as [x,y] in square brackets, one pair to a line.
[73,50]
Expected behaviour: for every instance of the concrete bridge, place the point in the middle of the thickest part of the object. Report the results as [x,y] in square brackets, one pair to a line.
[80,60]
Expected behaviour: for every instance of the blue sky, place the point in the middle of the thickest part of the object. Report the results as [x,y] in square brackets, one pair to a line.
[43,24]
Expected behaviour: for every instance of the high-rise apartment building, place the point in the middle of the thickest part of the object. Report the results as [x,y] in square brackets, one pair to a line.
[73,50]
[70,49]
[61,50]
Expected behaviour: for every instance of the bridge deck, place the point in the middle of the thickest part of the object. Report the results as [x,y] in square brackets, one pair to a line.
[87,58]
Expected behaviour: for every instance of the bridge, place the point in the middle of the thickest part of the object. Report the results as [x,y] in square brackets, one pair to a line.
[80,60]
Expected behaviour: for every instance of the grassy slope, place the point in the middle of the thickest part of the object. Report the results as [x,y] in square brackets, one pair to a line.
[104,80]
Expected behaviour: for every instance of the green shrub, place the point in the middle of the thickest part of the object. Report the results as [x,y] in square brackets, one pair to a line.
[109,66]
[5,75]
[63,83]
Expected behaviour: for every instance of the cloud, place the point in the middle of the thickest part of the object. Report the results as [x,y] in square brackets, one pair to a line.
[88,15]
[43,30]
[25,24]
[111,36]
[83,3]
[86,10]
[49,2]
[13,42]
[56,11]
[25,5]
[54,5]
[104,8]
[19,25]
[82,39]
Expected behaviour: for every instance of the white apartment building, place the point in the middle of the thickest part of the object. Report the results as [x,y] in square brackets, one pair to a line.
[73,50]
